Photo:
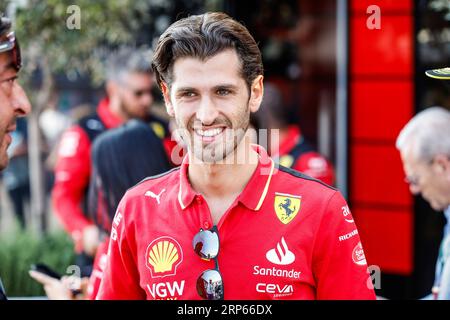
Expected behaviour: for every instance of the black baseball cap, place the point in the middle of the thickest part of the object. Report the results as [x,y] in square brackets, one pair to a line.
[442,73]
[8,42]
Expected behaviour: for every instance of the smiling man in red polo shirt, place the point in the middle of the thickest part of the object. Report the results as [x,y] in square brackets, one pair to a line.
[228,224]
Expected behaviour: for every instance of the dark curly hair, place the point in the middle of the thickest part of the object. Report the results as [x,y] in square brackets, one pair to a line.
[203,36]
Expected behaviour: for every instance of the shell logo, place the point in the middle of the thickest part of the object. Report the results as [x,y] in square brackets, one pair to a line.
[163,256]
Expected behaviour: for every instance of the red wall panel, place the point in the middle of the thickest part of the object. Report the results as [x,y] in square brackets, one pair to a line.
[377,176]
[387,51]
[387,238]
[378,109]
[386,6]
[381,101]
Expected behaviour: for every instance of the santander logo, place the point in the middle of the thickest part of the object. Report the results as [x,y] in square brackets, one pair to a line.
[281,254]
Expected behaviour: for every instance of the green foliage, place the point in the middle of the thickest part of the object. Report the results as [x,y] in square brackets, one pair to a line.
[20,249]
[42,27]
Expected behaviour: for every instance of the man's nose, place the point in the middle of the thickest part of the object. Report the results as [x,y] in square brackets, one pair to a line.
[20,101]
[207,112]
[147,99]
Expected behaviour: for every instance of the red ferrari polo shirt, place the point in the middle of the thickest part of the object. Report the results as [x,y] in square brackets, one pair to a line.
[286,236]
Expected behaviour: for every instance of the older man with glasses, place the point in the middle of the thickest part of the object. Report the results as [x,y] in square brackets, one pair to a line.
[424,145]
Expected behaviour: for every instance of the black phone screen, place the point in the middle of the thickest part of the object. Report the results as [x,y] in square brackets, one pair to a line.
[2,292]
[42,268]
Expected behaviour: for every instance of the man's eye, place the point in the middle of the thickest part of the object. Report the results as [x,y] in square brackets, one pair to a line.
[223,92]
[10,81]
[188,94]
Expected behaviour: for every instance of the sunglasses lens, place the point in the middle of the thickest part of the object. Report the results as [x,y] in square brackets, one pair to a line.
[210,285]
[206,244]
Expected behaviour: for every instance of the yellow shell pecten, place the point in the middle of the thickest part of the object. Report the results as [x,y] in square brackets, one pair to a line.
[162,256]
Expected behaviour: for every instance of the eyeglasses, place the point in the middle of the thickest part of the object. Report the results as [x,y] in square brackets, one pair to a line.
[209,283]
[11,44]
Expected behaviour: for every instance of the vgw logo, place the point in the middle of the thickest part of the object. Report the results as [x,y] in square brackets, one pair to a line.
[165,290]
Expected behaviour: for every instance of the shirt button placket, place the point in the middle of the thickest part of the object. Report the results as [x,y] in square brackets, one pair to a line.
[206,224]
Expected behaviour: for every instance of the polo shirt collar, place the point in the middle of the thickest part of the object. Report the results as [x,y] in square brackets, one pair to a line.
[185,194]
[257,187]
[254,192]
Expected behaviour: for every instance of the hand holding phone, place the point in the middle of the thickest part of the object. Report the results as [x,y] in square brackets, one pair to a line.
[56,285]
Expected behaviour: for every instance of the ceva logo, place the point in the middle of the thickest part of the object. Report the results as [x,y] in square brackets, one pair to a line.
[275,288]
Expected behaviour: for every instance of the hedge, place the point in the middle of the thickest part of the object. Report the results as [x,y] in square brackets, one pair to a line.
[20,249]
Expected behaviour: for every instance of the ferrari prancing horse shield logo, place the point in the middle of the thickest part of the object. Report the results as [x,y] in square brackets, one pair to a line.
[286,206]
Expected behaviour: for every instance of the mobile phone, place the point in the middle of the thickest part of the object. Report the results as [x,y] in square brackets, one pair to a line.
[2,292]
[42,268]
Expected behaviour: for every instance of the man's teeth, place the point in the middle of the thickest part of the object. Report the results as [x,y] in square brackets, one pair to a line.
[210,132]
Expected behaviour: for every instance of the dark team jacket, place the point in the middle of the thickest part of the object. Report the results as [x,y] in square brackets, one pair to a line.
[73,166]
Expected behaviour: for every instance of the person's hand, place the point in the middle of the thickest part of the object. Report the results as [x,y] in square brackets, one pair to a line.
[54,288]
[62,289]
[91,240]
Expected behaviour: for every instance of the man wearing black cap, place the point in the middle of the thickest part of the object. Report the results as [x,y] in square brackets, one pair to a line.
[13,100]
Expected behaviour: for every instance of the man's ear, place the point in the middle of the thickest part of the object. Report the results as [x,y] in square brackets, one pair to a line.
[442,163]
[256,93]
[111,89]
[166,94]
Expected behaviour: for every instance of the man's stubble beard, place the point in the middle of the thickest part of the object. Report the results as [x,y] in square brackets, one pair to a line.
[208,155]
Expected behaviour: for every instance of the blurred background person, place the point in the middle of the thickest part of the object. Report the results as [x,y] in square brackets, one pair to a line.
[129,96]
[121,158]
[424,145]
[290,147]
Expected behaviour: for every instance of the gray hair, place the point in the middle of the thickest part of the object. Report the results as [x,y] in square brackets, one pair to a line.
[428,133]
[128,60]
